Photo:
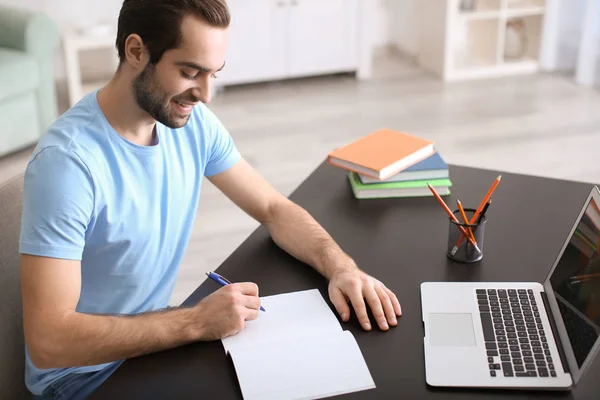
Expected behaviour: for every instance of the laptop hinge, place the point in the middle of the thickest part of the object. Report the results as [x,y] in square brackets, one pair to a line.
[557,339]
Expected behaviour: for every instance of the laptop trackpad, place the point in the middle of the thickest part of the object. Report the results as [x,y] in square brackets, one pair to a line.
[451,330]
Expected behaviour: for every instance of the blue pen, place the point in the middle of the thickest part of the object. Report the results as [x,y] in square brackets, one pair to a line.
[222,281]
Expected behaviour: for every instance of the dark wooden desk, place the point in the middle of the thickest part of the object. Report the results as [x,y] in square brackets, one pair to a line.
[403,243]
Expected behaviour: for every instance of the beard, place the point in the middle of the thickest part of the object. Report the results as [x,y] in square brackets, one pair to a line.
[151,98]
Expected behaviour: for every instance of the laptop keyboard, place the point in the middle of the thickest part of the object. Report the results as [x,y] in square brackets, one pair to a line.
[515,340]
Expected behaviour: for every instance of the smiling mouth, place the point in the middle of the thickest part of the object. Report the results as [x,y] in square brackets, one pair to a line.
[183,107]
[184,104]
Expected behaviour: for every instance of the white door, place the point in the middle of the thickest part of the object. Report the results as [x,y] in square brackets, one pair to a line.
[322,36]
[256,41]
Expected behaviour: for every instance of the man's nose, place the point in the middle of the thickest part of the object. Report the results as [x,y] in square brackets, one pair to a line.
[202,89]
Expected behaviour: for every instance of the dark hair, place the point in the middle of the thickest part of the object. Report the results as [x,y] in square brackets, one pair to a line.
[158,22]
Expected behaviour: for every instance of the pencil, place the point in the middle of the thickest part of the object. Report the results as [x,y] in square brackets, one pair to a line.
[452,216]
[487,197]
[582,280]
[587,276]
[465,219]
[483,212]
[481,205]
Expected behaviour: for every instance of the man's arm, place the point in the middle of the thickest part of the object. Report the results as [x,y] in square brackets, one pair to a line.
[295,231]
[291,227]
[58,336]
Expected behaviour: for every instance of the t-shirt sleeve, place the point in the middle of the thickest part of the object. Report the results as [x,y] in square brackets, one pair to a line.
[58,203]
[222,152]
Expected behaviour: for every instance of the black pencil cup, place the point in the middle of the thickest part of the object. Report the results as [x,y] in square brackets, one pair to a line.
[459,248]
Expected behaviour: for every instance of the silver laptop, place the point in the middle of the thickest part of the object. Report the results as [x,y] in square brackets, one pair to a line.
[519,335]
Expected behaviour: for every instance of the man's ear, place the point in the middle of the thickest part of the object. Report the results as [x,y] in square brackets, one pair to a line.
[136,53]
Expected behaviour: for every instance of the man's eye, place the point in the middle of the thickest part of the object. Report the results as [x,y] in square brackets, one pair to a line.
[186,76]
[214,76]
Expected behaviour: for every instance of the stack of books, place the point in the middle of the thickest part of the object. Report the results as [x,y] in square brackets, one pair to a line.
[387,163]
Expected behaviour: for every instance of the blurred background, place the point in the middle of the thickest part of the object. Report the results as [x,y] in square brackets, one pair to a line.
[509,85]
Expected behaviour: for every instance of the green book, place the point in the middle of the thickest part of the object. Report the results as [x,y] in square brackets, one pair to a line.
[397,189]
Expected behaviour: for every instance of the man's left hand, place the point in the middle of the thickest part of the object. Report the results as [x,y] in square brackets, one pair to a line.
[355,286]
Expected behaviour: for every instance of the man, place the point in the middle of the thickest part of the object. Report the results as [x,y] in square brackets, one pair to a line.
[111,193]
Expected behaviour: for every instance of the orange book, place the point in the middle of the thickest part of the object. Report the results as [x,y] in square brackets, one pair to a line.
[382,153]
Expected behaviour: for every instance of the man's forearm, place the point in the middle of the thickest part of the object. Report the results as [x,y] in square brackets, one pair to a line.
[296,231]
[85,339]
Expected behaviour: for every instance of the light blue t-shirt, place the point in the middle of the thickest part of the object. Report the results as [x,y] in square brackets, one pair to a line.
[126,211]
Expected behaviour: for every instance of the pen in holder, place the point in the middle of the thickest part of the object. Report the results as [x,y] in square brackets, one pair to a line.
[462,250]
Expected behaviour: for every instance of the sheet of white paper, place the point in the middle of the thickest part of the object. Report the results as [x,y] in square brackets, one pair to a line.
[302,369]
[287,316]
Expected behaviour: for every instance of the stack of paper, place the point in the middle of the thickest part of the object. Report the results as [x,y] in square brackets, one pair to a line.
[297,350]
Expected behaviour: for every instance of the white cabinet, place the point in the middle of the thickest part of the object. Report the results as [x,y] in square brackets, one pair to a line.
[255,41]
[275,39]
[321,36]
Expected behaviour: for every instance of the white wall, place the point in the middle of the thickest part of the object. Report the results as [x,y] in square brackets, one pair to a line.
[394,22]
[569,33]
[380,23]
[402,22]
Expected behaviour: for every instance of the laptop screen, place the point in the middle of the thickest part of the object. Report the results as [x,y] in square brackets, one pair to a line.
[576,283]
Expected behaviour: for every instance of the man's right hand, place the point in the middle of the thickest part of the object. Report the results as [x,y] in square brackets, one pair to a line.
[58,336]
[224,312]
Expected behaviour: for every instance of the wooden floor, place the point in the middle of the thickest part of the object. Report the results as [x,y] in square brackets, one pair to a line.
[543,125]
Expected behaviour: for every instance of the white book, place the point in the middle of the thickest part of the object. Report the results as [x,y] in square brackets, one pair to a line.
[297,349]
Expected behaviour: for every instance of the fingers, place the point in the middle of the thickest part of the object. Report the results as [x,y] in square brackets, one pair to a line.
[245,294]
[395,302]
[387,305]
[247,288]
[376,307]
[251,302]
[251,314]
[249,307]
[358,303]
[339,302]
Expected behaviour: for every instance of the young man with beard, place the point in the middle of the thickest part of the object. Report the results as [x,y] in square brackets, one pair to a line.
[111,193]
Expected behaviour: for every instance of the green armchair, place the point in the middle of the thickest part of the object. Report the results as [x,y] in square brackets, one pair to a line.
[28,105]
